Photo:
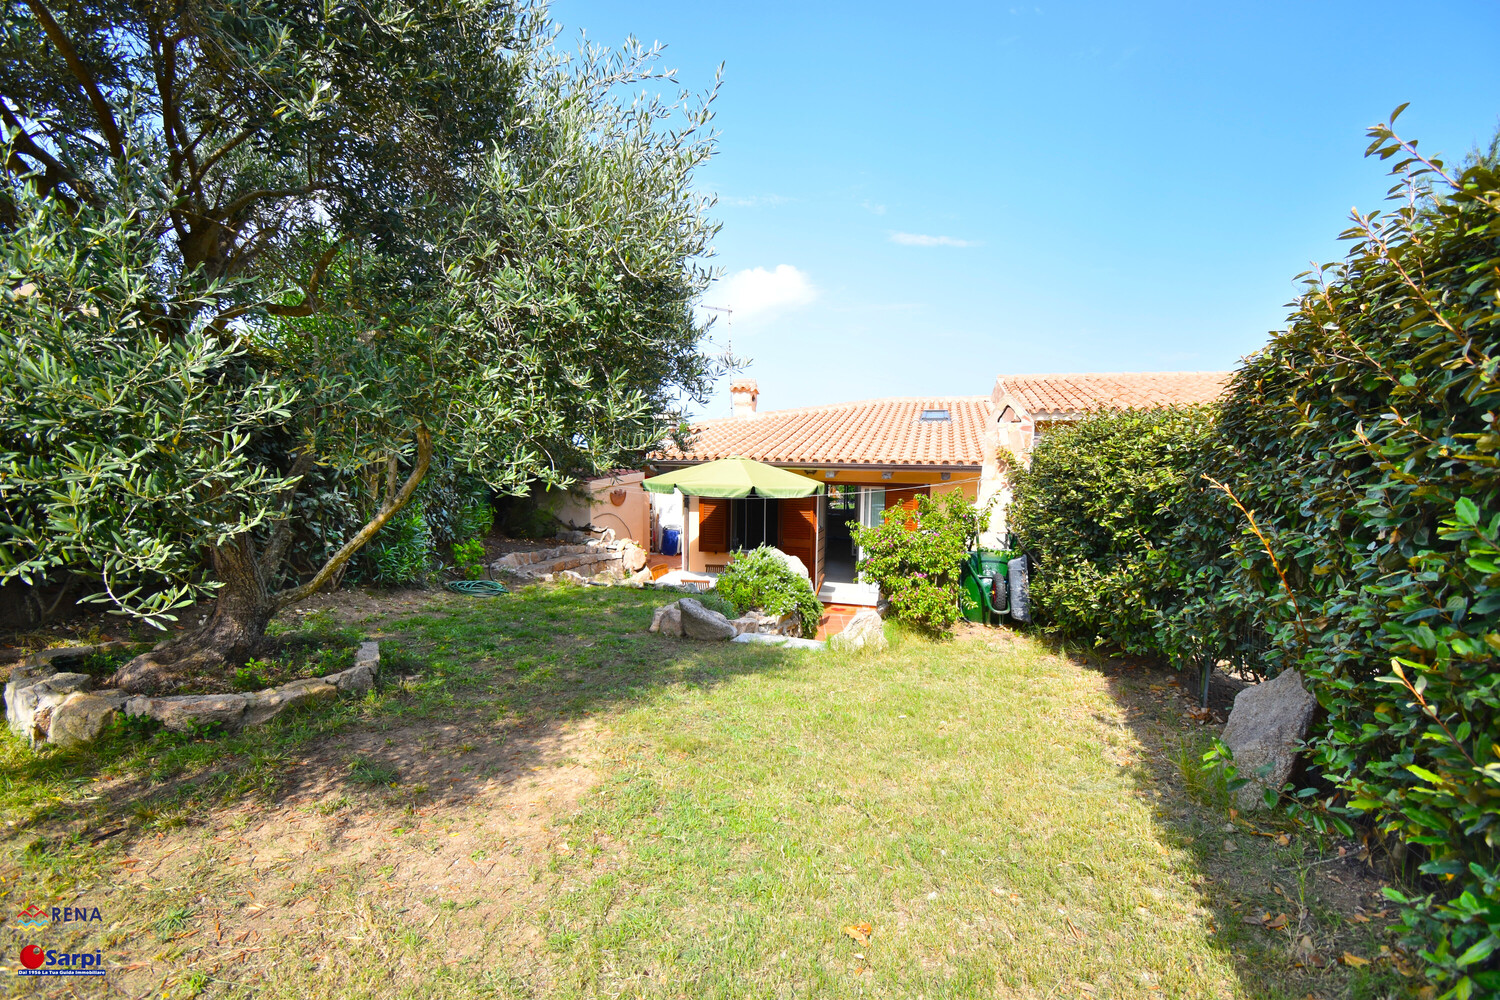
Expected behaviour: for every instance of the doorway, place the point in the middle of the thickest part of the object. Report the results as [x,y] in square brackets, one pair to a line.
[753,522]
[849,506]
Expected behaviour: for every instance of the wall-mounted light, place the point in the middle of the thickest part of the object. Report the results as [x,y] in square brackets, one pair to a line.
[885,475]
[830,474]
[947,476]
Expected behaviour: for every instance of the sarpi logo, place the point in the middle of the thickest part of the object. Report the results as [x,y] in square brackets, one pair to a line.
[33,917]
[60,963]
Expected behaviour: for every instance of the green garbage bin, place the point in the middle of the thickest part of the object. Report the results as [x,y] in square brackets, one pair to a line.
[978,588]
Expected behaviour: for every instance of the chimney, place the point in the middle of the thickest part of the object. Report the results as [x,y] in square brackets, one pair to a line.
[742,392]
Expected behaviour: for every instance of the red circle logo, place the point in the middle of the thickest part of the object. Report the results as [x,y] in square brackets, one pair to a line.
[32,956]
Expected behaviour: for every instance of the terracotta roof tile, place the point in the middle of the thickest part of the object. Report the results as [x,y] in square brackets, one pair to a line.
[1047,395]
[868,432]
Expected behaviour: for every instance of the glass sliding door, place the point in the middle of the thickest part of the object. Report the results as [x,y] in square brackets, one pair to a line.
[871,510]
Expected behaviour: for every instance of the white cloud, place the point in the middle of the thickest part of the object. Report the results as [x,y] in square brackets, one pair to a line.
[920,240]
[757,293]
[873,208]
[755,201]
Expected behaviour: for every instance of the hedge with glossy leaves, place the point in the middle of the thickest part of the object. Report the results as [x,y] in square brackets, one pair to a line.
[1096,509]
[1360,466]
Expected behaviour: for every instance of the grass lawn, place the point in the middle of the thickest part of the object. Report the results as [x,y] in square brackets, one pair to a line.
[544,800]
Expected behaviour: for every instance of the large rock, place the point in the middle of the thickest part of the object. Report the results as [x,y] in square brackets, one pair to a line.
[865,630]
[1267,723]
[784,641]
[23,678]
[33,693]
[667,620]
[632,557]
[361,676]
[699,622]
[185,712]
[265,705]
[82,716]
[794,564]
[756,623]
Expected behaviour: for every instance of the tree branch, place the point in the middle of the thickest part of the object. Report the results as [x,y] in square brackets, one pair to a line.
[81,73]
[281,534]
[23,144]
[244,200]
[387,511]
[201,170]
[309,303]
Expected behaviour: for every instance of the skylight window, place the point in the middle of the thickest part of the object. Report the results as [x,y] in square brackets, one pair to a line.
[936,416]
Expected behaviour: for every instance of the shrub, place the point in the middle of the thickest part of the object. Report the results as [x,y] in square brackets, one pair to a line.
[915,557]
[469,558]
[456,507]
[1360,514]
[401,553]
[717,602]
[761,579]
[1096,508]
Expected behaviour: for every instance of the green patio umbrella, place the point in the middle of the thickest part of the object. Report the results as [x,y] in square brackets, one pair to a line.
[734,478]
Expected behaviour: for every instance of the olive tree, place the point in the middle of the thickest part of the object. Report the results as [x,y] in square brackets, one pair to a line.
[332,238]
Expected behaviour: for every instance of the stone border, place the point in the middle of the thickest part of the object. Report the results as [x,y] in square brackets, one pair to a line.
[48,706]
[601,560]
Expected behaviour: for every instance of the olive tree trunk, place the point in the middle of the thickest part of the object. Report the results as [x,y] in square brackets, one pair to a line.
[245,605]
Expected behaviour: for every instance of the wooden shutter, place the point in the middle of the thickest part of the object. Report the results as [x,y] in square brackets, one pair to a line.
[713,525]
[798,520]
[822,547]
[906,498]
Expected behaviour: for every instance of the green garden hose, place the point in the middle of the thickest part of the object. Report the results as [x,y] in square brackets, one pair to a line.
[477,588]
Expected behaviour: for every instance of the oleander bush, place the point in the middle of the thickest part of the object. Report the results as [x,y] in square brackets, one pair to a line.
[915,556]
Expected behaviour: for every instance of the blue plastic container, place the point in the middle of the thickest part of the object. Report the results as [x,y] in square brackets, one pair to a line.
[669,540]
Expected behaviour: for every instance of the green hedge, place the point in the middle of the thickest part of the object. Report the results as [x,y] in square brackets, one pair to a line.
[1098,505]
[1362,443]
[1343,518]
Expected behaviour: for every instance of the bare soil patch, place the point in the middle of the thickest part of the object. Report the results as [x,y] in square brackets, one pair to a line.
[438,831]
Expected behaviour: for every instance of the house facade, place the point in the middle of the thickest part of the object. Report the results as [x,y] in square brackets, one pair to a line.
[874,454]
[613,500]
[868,455]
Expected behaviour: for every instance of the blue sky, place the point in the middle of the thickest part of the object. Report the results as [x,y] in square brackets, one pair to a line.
[918,197]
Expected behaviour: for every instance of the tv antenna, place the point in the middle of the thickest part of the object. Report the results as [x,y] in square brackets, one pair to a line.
[726,310]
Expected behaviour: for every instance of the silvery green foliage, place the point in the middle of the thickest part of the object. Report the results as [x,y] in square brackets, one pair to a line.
[123,453]
[367,223]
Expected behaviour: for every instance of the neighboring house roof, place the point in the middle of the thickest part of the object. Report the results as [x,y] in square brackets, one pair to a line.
[1063,396]
[868,432]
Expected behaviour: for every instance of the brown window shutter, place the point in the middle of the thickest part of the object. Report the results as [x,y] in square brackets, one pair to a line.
[799,530]
[905,497]
[713,525]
